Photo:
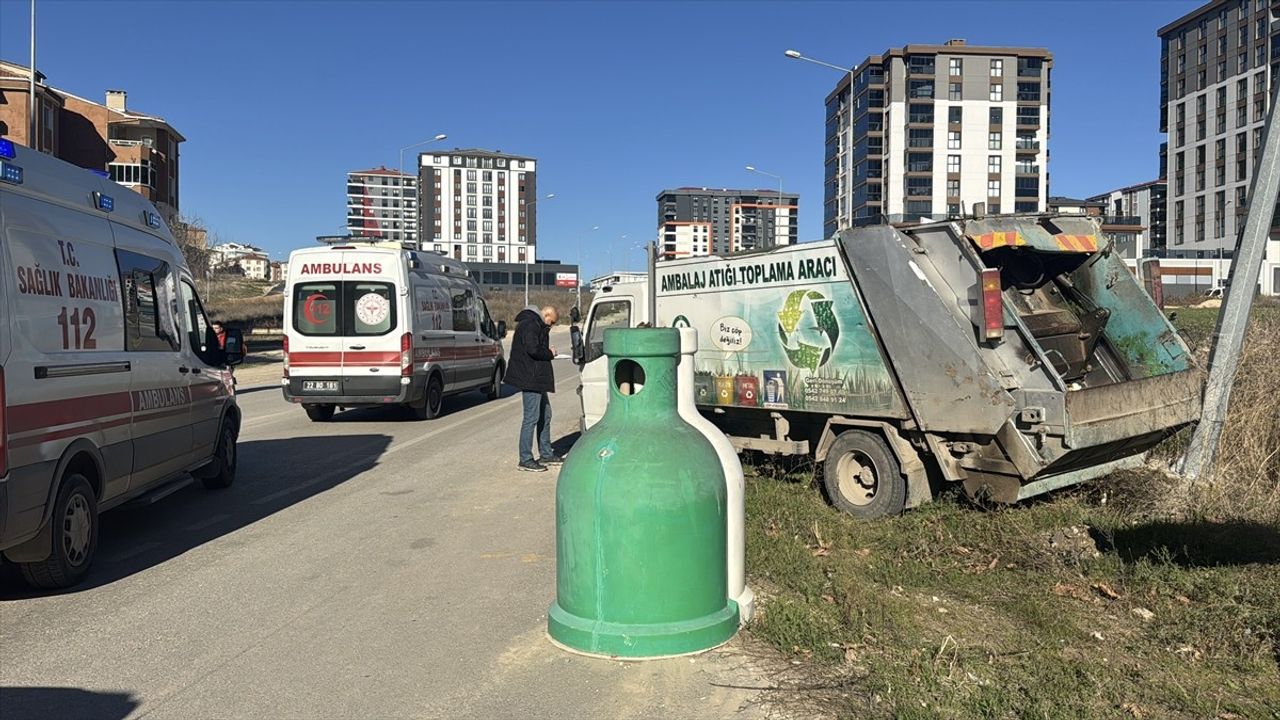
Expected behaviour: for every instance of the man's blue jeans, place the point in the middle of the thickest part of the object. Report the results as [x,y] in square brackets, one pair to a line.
[537,414]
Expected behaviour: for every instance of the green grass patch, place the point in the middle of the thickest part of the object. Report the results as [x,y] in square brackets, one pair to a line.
[1062,608]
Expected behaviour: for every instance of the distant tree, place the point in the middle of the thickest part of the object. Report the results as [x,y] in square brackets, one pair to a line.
[192,237]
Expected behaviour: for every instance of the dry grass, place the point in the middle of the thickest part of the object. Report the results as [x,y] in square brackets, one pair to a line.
[506,304]
[1101,602]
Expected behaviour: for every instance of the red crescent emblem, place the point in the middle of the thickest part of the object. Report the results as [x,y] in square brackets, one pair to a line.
[321,312]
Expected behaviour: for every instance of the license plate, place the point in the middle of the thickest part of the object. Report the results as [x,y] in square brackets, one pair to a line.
[319,386]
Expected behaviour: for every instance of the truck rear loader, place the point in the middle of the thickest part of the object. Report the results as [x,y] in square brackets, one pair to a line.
[1010,354]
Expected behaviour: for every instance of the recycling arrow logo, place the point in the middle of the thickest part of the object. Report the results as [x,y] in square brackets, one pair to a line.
[802,354]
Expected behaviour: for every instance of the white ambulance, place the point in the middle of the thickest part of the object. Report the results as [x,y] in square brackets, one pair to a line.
[112,384]
[367,324]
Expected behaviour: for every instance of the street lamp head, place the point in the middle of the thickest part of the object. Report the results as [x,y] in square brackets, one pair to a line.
[595,227]
[793,54]
[548,196]
[752,168]
[441,136]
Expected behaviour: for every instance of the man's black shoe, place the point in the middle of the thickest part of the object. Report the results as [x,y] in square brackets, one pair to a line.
[553,460]
[531,466]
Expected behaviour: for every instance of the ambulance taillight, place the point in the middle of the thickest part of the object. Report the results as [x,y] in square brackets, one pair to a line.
[406,355]
[992,306]
[4,429]
[286,356]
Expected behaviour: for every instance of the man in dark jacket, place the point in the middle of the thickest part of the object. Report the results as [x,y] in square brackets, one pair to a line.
[529,370]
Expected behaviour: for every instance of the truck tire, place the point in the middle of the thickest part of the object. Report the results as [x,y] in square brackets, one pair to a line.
[75,537]
[224,457]
[319,413]
[862,478]
[493,390]
[432,400]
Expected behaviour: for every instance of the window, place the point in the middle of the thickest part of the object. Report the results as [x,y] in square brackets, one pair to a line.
[919,162]
[953,163]
[993,141]
[462,303]
[920,89]
[919,137]
[953,140]
[334,308]
[150,303]
[1260,83]
[953,188]
[997,68]
[993,188]
[471,175]
[487,188]
[606,315]
[919,187]
[1242,62]
[919,113]
[956,67]
[993,164]
[997,92]
[997,116]
[1259,110]
[955,115]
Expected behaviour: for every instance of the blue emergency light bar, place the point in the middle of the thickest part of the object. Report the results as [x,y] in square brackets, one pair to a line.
[100,173]
[10,173]
[103,202]
[6,149]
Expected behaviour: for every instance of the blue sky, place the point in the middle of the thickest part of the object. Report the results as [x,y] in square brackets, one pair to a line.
[278,100]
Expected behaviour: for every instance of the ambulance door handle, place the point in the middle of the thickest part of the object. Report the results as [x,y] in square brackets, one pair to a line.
[184,370]
[355,347]
[195,371]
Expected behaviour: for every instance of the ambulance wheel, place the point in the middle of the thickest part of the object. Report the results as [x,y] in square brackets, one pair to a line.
[319,413]
[224,458]
[493,390]
[862,478]
[432,400]
[75,537]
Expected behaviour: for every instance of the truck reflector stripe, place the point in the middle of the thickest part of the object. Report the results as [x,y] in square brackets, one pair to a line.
[1077,243]
[991,240]
[992,305]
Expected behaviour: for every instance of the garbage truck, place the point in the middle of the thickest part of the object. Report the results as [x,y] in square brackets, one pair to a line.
[1011,355]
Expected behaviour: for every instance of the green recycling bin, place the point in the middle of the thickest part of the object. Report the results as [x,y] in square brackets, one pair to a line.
[640,519]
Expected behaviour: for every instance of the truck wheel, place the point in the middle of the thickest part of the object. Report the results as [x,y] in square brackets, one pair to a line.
[862,477]
[494,389]
[224,457]
[429,407]
[319,413]
[75,537]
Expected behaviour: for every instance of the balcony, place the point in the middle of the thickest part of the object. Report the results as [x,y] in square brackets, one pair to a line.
[1027,145]
[1122,223]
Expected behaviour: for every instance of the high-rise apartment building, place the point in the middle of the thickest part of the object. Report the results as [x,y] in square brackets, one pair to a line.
[1216,68]
[695,221]
[137,150]
[930,130]
[383,204]
[479,205]
[1134,217]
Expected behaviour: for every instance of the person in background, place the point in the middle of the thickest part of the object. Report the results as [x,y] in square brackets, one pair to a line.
[529,370]
[221,333]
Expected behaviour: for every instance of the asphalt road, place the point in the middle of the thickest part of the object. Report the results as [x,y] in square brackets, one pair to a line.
[369,567]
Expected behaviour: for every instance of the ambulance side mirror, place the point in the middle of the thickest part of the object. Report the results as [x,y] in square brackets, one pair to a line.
[502,329]
[233,350]
[575,314]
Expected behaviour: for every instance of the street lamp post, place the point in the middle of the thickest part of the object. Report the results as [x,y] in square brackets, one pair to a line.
[796,55]
[437,138]
[578,281]
[754,169]
[534,201]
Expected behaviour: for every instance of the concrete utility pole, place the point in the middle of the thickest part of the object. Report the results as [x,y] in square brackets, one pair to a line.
[1233,320]
[33,139]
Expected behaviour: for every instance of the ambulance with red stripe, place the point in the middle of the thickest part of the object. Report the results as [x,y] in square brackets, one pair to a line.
[112,385]
[370,324]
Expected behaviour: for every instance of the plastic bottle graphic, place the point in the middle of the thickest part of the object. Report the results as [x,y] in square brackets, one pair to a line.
[748,390]
[774,392]
[724,390]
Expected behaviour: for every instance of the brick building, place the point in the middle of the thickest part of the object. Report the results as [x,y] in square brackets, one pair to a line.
[138,150]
